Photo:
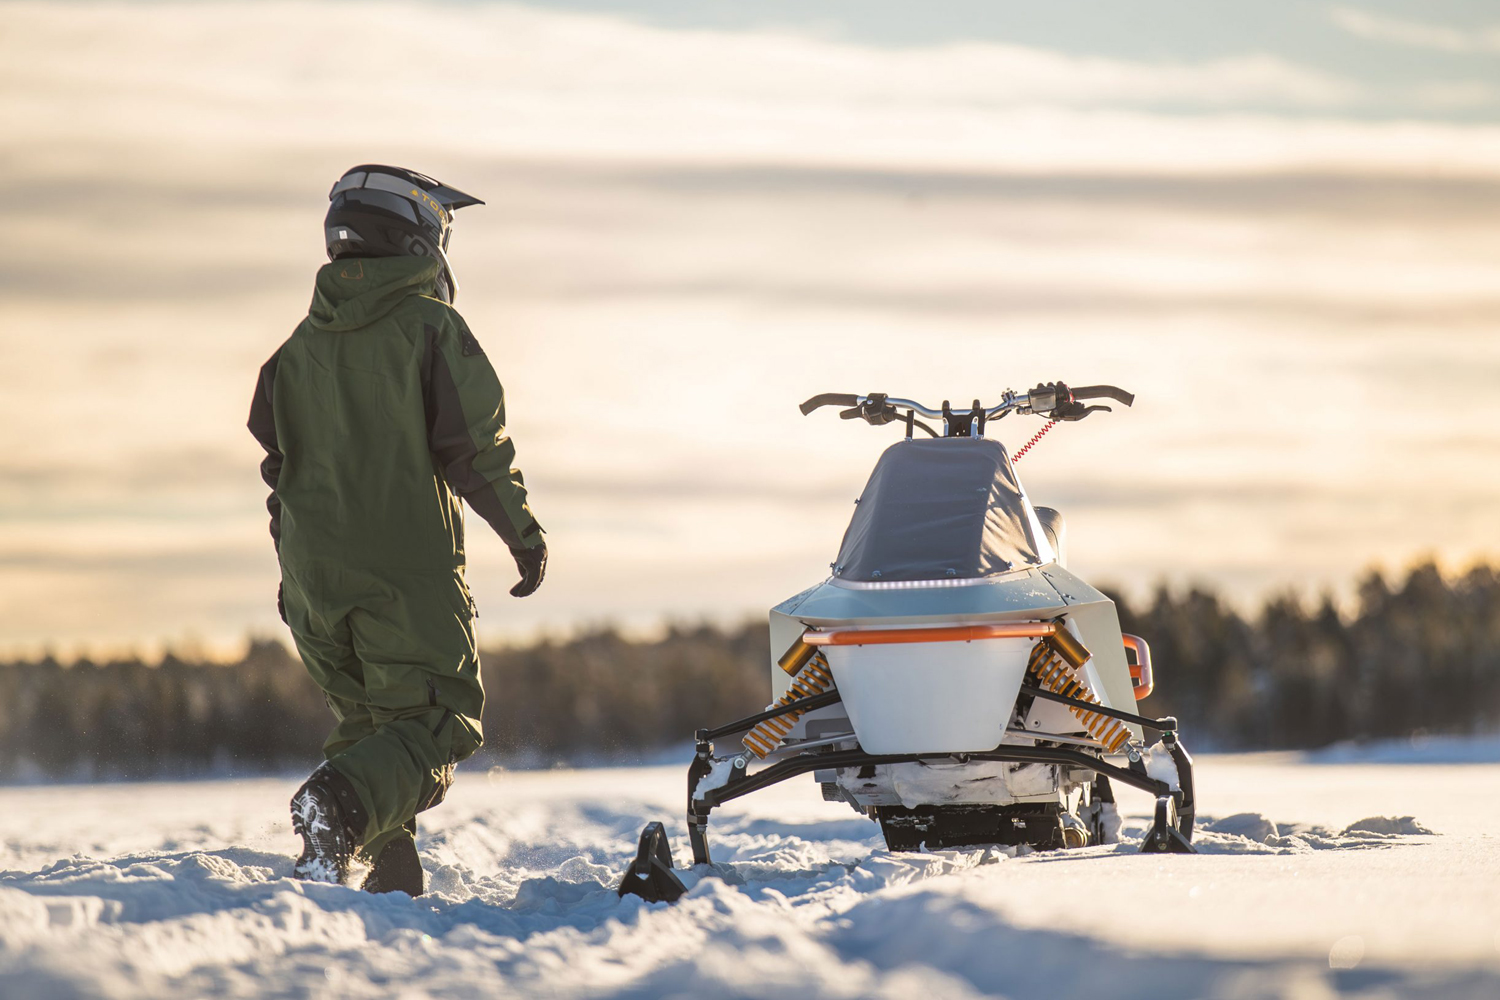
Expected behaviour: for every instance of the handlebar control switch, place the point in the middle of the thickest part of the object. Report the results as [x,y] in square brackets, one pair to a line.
[1046,398]
[1056,400]
[876,410]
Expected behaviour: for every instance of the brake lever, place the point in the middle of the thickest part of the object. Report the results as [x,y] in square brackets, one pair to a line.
[1075,411]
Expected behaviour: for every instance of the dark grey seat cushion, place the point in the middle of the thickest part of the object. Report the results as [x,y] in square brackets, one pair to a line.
[936,509]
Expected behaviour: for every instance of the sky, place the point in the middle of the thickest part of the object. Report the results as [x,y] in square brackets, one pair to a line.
[1278,224]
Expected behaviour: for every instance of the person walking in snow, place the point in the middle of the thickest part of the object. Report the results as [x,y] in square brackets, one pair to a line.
[376,416]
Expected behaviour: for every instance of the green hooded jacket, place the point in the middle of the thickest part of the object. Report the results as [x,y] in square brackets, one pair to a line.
[376,415]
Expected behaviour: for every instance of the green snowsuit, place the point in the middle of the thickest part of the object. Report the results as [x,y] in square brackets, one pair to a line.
[377,414]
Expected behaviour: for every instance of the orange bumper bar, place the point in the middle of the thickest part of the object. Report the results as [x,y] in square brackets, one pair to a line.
[1142,680]
[942,633]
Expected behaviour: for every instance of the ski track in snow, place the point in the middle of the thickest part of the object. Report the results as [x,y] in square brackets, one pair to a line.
[182,890]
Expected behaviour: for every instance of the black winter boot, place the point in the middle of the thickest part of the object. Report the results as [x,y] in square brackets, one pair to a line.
[327,815]
[398,869]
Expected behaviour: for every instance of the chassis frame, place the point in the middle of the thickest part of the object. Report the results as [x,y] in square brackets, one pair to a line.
[651,874]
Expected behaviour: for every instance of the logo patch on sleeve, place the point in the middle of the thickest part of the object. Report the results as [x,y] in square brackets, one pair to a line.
[471,346]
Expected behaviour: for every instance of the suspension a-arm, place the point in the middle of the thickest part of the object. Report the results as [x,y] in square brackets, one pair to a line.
[1171,831]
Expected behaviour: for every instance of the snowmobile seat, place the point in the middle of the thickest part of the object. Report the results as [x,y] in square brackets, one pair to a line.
[939,509]
[1056,532]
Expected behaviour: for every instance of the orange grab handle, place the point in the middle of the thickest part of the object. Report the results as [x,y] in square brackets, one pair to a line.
[944,633]
[1141,677]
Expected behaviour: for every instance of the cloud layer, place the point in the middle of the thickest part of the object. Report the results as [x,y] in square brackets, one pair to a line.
[689,231]
[1417,34]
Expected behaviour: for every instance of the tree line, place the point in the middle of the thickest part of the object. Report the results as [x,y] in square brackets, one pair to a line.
[1421,654]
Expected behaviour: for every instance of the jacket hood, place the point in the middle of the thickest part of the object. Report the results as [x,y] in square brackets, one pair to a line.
[357,291]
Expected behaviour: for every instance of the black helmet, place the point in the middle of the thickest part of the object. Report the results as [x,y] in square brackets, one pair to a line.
[378,211]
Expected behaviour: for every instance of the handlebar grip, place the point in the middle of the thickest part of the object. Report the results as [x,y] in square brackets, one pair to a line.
[1104,392]
[829,399]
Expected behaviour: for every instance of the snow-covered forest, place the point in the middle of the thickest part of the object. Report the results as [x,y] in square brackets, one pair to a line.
[1420,654]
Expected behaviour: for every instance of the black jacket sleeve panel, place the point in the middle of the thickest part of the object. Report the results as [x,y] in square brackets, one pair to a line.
[263,426]
[466,433]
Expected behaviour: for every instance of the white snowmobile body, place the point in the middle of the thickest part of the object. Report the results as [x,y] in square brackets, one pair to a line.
[997,562]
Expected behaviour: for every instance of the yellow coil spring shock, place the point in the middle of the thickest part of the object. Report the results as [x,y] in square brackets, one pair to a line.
[1055,673]
[813,677]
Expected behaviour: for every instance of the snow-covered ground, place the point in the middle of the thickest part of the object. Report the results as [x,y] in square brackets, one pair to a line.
[180,890]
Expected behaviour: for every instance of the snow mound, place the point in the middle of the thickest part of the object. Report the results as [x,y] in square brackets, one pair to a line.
[1387,826]
[1250,826]
[1252,833]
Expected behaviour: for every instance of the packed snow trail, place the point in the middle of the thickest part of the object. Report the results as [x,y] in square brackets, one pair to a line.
[181,890]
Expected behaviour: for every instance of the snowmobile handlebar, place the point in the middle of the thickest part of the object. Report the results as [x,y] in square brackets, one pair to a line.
[1054,399]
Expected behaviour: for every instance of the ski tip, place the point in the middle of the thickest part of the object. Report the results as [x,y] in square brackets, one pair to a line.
[651,875]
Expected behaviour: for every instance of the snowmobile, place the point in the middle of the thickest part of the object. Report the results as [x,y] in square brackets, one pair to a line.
[950,679]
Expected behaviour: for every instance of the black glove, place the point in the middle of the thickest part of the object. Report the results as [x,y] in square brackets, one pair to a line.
[281,605]
[532,563]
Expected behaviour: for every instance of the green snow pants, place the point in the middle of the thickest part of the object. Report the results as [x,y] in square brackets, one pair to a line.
[395,656]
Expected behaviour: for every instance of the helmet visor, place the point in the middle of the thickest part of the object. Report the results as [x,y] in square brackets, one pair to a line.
[391,203]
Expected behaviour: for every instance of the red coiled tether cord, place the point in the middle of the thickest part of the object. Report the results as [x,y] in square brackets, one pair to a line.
[1035,438]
